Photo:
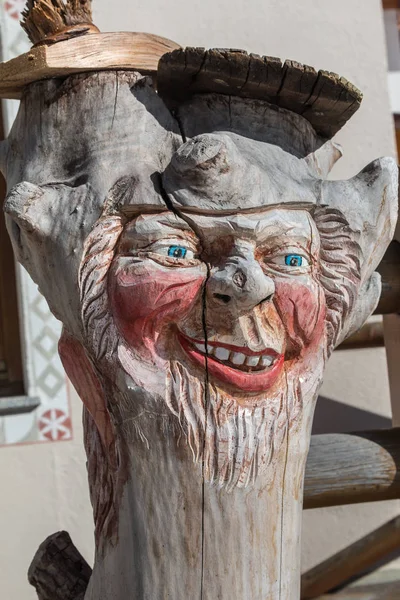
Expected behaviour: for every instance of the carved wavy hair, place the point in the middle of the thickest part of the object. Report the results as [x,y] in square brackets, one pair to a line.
[339,268]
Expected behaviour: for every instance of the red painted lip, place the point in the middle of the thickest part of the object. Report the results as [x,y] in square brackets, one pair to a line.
[255,381]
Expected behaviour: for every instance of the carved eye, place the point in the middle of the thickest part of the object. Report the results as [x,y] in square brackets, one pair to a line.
[176,250]
[292,261]
[296,260]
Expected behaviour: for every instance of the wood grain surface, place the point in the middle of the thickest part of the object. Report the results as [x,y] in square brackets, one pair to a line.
[345,468]
[94,52]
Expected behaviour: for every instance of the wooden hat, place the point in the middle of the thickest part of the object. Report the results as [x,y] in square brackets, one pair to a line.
[65,41]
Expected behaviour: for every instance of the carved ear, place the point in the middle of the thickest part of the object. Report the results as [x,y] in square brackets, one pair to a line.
[369,202]
[20,207]
[322,160]
[48,226]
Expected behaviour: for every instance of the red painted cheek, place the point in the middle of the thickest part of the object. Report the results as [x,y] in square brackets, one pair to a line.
[146,298]
[302,310]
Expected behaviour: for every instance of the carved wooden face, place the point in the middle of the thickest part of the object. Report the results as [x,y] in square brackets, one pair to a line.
[240,300]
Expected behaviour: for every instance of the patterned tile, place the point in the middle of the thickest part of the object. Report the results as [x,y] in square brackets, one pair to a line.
[46,342]
[51,381]
[55,425]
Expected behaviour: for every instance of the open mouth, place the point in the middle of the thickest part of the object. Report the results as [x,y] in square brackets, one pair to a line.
[240,367]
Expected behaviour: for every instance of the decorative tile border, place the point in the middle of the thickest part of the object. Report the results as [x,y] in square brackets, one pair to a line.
[40,331]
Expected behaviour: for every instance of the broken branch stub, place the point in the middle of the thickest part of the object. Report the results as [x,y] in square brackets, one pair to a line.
[50,21]
[204,269]
[58,571]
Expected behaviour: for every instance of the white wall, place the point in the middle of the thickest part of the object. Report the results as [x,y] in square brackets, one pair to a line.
[43,490]
[43,486]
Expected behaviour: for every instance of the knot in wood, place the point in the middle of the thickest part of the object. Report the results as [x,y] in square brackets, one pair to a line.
[202,152]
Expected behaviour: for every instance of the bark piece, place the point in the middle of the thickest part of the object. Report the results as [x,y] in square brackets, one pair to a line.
[298,82]
[58,570]
[333,101]
[326,100]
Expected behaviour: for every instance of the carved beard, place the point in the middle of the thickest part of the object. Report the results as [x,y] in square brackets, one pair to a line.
[235,444]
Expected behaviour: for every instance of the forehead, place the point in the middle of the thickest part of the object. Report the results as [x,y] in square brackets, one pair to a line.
[258,226]
[230,172]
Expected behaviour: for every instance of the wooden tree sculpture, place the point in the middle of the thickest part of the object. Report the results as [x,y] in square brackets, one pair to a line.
[180,225]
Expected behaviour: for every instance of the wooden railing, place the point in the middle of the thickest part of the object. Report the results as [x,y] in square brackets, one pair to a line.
[348,468]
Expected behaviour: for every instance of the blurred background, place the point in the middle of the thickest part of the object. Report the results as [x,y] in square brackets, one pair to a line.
[42,463]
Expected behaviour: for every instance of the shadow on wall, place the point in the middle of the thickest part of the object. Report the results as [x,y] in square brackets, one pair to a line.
[335,417]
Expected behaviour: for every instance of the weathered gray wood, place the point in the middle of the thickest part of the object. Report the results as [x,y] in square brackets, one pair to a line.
[351,561]
[204,269]
[326,100]
[58,571]
[347,468]
[341,469]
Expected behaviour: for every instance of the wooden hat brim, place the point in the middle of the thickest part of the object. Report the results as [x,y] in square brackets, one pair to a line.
[326,100]
[92,52]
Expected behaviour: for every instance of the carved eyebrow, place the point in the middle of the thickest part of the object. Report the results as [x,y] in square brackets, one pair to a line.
[156,228]
[276,242]
[178,225]
[281,226]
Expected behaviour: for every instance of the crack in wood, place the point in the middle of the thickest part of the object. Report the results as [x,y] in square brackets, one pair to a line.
[195,230]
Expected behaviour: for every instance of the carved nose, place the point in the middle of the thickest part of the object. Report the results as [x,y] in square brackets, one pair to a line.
[240,284]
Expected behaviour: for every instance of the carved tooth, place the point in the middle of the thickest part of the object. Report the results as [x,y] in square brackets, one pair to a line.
[221,353]
[252,361]
[201,347]
[210,350]
[267,361]
[238,358]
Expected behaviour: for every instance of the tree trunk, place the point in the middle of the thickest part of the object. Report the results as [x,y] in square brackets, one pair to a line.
[204,270]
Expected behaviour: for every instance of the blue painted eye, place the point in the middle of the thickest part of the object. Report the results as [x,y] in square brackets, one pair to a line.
[294,260]
[177,251]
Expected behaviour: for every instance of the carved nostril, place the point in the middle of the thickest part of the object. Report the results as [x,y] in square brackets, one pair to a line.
[239,279]
[224,298]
